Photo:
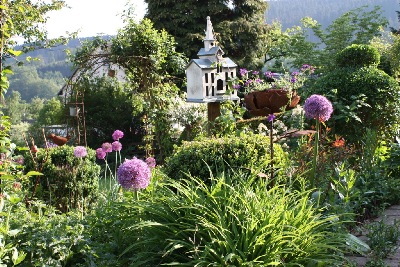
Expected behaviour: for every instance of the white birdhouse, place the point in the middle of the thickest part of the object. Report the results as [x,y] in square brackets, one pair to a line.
[208,76]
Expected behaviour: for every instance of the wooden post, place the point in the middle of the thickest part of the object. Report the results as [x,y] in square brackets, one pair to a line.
[214,110]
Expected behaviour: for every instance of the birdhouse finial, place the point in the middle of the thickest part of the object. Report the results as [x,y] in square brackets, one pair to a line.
[209,40]
[209,30]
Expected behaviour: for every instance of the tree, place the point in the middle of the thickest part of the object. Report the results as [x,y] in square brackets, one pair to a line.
[34,107]
[239,24]
[51,113]
[15,108]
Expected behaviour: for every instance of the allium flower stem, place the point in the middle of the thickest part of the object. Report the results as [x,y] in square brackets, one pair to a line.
[271,127]
[316,151]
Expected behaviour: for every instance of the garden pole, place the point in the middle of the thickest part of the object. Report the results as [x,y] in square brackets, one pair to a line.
[213,110]
[271,143]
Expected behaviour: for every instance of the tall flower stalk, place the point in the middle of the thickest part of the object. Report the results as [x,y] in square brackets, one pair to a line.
[319,108]
[270,119]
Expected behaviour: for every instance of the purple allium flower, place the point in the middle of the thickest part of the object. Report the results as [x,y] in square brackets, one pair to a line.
[243,72]
[293,80]
[151,162]
[117,135]
[236,86]
[258,80]
[80,151]
[269,74]
[116,146]
[271,117]
[318,107]
[107,147]
[134,174]
[295,73]
[255,72]
[100,154]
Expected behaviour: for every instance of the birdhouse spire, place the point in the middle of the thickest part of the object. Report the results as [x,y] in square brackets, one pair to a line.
[209,41]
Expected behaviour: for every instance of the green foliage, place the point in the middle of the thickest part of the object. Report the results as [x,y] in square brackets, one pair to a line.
[15,108]
[108,106]
[67,182]
[358,56]
[51,113]
[233,221]
[51,239]
[200,158]
[379,107]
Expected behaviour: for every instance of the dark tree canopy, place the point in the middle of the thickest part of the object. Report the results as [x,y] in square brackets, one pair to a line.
[239,25]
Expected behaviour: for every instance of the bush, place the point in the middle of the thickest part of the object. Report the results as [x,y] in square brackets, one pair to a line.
[358,55]
[245,152]
[67,182]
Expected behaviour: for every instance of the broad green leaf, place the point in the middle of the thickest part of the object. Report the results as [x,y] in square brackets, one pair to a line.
[357,244]
[32,173]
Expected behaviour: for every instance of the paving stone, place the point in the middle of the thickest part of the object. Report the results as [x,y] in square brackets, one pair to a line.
[389,216]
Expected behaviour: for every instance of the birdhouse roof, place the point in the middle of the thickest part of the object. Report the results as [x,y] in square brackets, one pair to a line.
[204,63]
[213,51]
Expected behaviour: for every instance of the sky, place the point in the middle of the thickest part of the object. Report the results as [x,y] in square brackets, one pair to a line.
[91,17]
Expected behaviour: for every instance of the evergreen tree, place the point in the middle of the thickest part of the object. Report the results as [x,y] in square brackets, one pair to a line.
[239,25]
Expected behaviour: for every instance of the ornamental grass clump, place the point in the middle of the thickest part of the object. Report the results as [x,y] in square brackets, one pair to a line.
[232,221]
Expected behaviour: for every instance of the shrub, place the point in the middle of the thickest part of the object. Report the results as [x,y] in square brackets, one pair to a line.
[67,182]
[246,152]
[358,55]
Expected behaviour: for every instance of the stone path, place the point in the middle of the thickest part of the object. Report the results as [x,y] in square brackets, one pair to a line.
[389,216]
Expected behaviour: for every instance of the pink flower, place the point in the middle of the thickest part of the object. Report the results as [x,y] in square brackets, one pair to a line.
[17,186]
[117,135]
[100,154]
[107,147]
[116,146]
[80,152]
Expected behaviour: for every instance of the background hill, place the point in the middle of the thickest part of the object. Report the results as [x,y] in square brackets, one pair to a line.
[289,12]
[45,74]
